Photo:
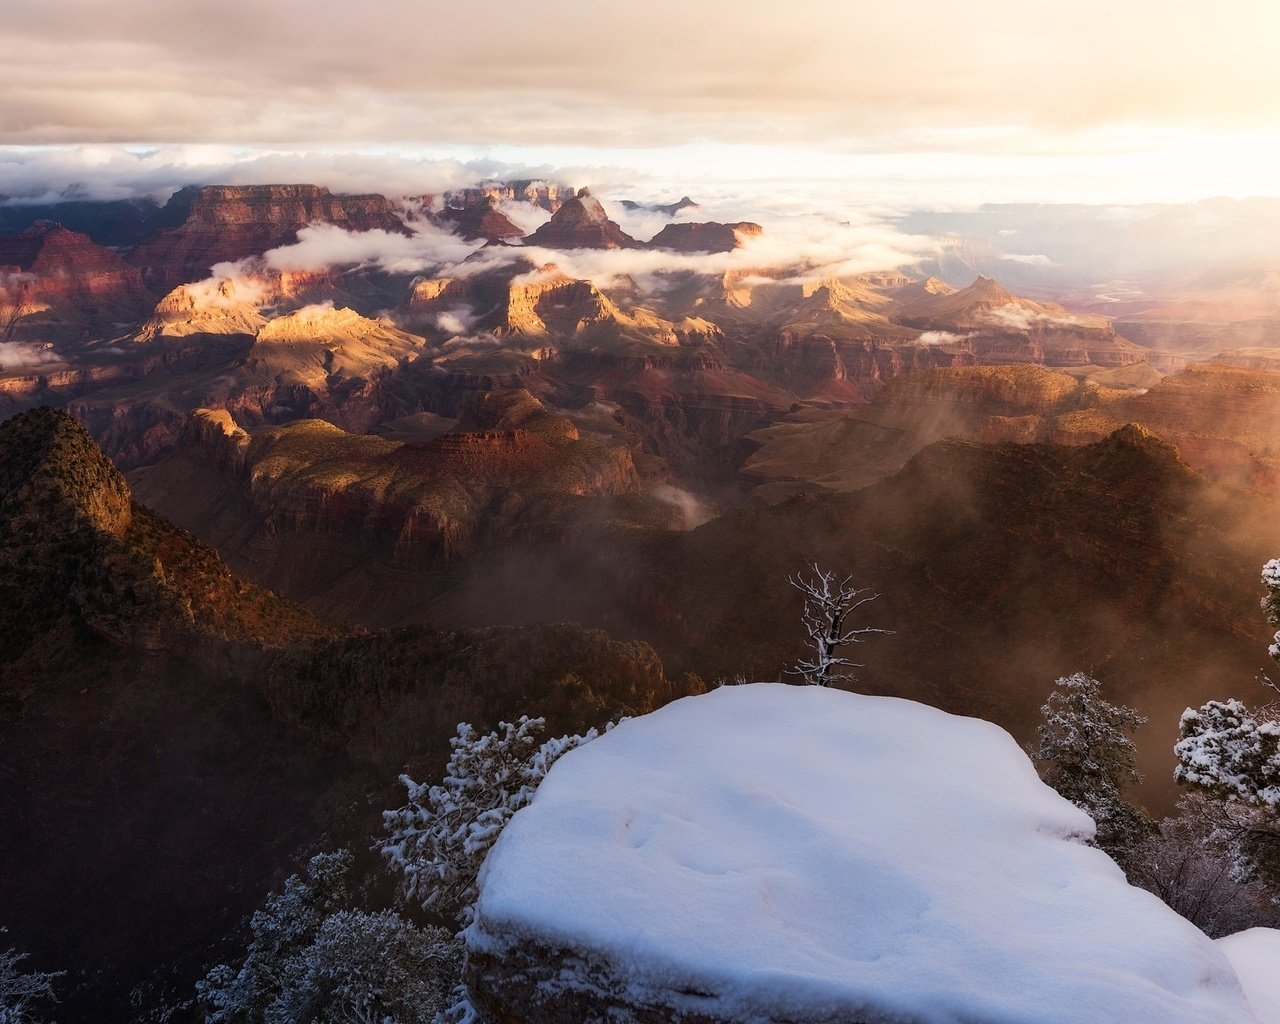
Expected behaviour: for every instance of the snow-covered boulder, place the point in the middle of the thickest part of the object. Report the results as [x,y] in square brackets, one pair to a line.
[768,852]
[1255,954]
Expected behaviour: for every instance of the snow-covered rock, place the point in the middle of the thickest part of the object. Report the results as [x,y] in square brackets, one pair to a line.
[768,852]
[1255,954]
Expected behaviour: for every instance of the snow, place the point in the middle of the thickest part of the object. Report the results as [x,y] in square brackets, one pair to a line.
[801,851]
[1255,954]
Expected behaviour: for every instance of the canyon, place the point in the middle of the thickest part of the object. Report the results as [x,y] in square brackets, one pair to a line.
[273,526]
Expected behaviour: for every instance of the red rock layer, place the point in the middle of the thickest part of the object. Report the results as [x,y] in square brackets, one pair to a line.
[229,222]
[47,265]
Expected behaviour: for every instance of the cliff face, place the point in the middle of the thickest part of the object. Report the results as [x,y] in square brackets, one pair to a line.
[57,285]
[229,222]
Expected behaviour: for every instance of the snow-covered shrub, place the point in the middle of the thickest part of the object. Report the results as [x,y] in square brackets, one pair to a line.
[369,967]
[311,960]
[1233,752]
[440,837]
[828,603]
[1085,753]
[1189,863]
[21,990]
[1271,603]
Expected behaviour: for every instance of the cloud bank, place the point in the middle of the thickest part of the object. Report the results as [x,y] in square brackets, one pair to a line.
[814,246]
[603,73]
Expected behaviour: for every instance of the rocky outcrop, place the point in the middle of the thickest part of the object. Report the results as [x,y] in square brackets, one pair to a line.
[1004,328]
[546,194]
[225,223]
[321,350]
[678,870]
[844,450]
[212,306]
[481,219]
[58,285]
[670,209]
[509,467]
[708,236]
[75,547]
[581,223]
[552,307]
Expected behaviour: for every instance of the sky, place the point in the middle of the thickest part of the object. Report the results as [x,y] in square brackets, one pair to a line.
[927,102]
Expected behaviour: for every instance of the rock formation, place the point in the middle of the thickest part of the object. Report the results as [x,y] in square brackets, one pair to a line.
[205,307]
[581,223]
[708,236]
[481,219]
[58,285]
[670,209]
[229,222]
[1003,327]
[508,469]
[548,195]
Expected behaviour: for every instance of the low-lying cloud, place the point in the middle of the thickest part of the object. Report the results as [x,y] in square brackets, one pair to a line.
[941,338]
[459,320]
[1030,260]
[16,357]
[811,246]
[111,172]
[1019,318]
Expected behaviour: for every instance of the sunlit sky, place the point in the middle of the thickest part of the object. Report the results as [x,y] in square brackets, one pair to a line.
[927,102]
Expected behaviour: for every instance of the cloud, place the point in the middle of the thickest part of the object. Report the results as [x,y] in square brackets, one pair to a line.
[1019,318]
[693,510]
[811,246]
[16,357]
[323,245]
[526,216]
[714,70]
[109,172]
[458,321]
[1037,260]
[940,338]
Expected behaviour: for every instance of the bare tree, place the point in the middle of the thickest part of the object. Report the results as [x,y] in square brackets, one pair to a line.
[828,603]
[20,990]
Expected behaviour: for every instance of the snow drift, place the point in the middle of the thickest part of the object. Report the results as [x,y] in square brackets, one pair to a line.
[1255,954]
[771,852]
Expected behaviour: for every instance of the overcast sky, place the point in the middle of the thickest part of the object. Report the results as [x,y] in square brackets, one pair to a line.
[982,100]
